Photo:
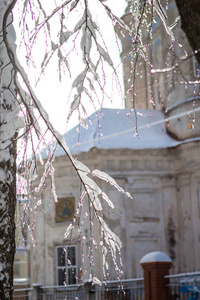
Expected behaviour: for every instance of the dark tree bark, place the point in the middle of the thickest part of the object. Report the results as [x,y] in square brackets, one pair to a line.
[8,115]
[189,11]
[7,228]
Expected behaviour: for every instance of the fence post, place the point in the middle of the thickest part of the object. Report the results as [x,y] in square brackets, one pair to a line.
[156,266]
[37,291]
[90,291]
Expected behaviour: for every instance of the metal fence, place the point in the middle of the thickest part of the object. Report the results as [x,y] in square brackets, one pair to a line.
[23,293]
[182,287]
[185,286]
[60,293]
[131,289]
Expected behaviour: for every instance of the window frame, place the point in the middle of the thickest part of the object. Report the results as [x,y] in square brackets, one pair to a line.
[66,267]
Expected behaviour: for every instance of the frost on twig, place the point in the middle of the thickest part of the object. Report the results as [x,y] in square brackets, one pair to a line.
[107,240]
[78,34]
[77,39]
[154,46]
[38,132]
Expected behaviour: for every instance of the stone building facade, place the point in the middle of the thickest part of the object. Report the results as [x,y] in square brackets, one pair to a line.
[161,170]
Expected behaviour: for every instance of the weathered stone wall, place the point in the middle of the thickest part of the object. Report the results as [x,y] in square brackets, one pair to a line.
[170,84]
[164,213]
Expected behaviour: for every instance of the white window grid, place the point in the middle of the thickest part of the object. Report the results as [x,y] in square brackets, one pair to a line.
[68,266]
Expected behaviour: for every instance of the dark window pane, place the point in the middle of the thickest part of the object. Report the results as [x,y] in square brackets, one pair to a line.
[61,276]
[71,276]
[61,257]
[71,256]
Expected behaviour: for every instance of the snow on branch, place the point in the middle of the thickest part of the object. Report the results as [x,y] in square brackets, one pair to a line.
[77,31]
[91,41]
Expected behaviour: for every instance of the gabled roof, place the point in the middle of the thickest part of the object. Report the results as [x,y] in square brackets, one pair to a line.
[116,129]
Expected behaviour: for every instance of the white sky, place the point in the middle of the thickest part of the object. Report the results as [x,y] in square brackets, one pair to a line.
[54,94]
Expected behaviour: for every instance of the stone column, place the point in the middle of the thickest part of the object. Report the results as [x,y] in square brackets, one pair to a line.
[156,266]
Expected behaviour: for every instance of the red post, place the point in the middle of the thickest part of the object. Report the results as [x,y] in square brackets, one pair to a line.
[156,266]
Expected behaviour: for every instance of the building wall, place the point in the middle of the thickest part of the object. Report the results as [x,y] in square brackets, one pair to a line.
[166,78]
[164,213]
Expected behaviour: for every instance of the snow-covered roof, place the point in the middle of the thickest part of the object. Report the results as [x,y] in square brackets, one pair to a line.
[116,129]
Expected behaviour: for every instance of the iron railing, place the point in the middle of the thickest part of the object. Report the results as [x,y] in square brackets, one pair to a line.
[182,287]
[130,289]
[23,294]
[185,286]
[69,292]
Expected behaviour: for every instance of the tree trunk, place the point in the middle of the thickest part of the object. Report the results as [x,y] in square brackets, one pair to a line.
[8,114]
[189,11]
[7,222]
